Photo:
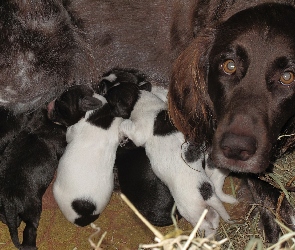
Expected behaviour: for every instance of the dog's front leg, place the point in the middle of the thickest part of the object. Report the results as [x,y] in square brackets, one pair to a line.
[217,176]
[134,132]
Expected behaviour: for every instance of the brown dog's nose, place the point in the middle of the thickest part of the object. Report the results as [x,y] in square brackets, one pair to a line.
[238,147]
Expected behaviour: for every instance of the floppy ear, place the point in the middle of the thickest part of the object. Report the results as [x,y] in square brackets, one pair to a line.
[145,85]
[90,103]
[189,105]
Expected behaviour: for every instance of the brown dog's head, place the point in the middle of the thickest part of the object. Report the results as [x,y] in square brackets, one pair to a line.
[235,87]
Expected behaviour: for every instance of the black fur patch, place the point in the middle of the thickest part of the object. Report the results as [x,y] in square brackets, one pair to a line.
[163,126]
[85,209]
[206,190]
[193,153]
[101,117]
[210,163]
[142,187]
[86,220]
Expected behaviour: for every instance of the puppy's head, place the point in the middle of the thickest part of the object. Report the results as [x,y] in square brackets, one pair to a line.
[244,79]
[121,88]
[72,105]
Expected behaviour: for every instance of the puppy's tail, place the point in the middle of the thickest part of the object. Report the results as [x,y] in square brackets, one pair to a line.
[12,221]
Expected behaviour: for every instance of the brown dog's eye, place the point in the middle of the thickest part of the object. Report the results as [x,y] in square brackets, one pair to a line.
[229,67]
[287,78]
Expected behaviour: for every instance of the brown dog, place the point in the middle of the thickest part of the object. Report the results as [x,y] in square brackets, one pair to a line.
[233,89]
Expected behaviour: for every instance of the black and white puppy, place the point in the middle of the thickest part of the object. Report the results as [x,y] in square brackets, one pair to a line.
[172,162]
[85,178]
[136,177]
[30,148]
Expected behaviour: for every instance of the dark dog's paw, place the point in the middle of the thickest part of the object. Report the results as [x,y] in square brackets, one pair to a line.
[28,248]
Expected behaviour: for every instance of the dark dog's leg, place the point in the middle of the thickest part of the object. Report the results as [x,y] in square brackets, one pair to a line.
[12,222]
[266,196]
[31,218]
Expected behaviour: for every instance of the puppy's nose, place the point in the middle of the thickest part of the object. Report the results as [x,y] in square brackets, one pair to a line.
[238,147]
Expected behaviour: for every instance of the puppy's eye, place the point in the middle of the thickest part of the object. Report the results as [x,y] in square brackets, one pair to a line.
[287,78]
[229,67]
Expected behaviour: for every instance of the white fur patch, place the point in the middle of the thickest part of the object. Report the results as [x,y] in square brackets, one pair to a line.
[100,97]
[110,77]
[3,100]
[24,65]
[9,90]
[160,92]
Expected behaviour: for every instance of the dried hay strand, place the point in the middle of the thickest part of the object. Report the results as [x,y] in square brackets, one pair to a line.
[243,234]
[177,240]
[283,177]
[90,239]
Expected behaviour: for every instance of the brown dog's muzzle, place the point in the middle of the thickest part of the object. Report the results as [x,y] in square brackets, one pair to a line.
[238,147]
[241,143]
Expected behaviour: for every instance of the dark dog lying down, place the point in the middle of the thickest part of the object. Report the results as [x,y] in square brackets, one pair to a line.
[233,89]
[51,45]
[30,148]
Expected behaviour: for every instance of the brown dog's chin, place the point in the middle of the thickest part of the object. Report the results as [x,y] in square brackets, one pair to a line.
[254,165]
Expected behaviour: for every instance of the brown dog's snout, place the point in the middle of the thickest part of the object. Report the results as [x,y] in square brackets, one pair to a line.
[238,147]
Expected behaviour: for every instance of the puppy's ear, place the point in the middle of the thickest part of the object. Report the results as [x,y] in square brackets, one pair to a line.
[90,103]
[189,105]
[145,85]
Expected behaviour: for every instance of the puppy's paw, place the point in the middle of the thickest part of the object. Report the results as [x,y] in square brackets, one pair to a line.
[127,127]
[227,198]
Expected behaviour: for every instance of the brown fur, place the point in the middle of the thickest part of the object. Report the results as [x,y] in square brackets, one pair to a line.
[226,113]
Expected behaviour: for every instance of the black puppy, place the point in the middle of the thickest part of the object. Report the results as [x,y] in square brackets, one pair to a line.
[30,148]
[136,178]
[142,187]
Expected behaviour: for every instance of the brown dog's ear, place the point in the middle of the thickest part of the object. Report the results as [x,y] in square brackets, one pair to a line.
[190,107]
[90,103]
